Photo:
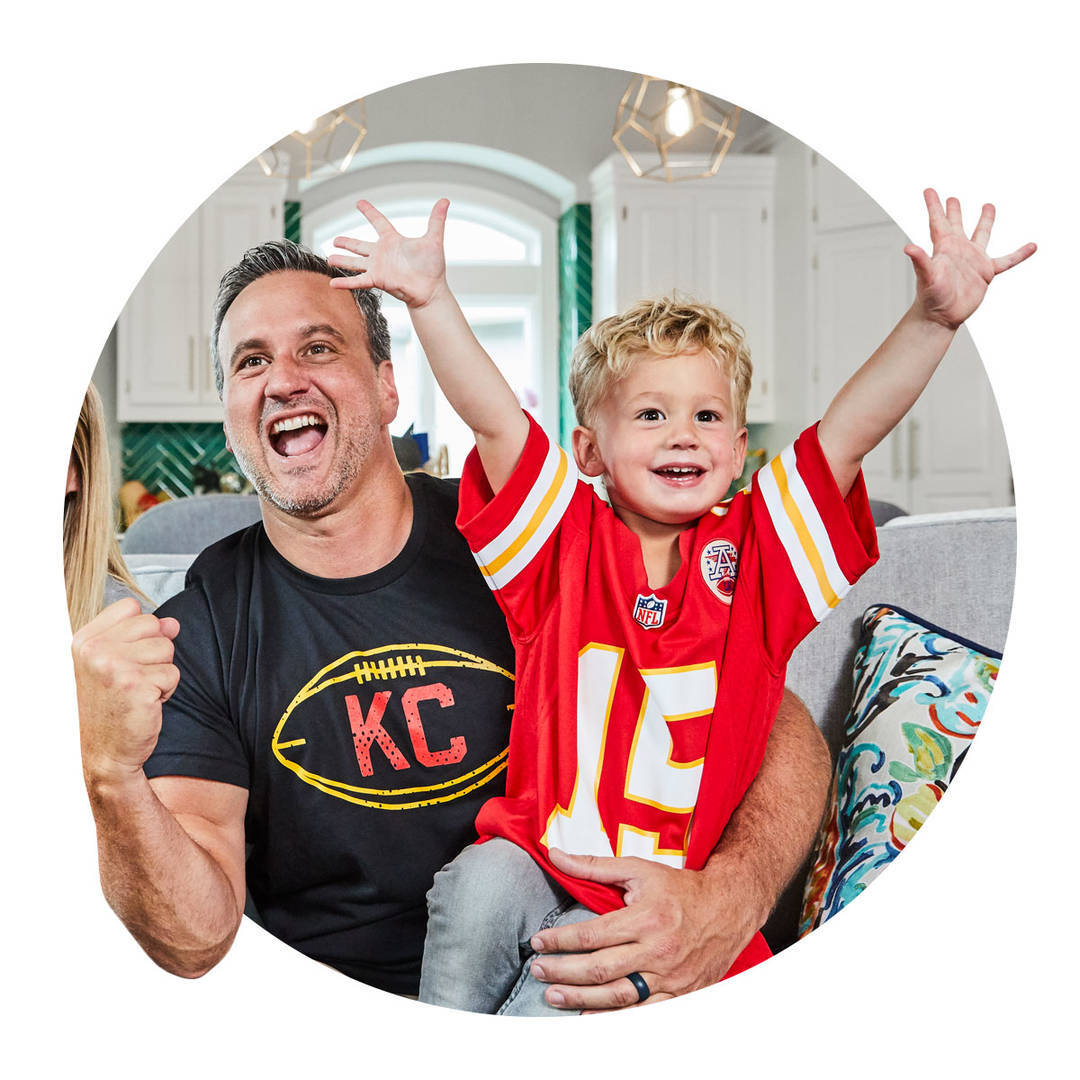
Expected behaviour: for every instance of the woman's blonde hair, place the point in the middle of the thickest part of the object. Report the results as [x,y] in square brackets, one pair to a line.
[91,551]
[665,326]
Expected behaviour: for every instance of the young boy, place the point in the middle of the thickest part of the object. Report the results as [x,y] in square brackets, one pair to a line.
[651,634]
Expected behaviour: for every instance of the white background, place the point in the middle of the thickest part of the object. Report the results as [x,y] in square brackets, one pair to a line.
[961,955]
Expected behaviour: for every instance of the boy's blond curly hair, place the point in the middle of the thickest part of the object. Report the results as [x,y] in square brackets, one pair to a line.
[607,351]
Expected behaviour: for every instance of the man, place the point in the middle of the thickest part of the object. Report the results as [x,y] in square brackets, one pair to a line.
[339,704]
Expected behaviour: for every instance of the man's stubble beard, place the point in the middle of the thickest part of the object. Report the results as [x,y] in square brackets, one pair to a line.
[343,473]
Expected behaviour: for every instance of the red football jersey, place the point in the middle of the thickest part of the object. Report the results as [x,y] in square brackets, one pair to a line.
[642,714]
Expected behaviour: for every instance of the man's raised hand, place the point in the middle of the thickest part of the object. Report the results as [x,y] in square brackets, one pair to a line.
[951,283]
[413,269]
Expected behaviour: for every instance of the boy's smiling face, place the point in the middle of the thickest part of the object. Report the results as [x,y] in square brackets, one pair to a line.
[665,440]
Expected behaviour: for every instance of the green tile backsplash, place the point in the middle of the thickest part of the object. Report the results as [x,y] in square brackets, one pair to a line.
[575,300]
[292,221]
[164,456]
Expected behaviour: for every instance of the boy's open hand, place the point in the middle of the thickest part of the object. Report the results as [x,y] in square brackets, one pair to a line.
[950,285]
[411,268]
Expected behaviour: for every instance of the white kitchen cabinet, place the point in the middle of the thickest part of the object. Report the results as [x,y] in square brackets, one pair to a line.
[163,333]
[711,240]
[838,202]
[158,331]
[949,453]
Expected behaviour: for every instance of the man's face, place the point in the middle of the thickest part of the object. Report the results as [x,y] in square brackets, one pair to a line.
[305,406]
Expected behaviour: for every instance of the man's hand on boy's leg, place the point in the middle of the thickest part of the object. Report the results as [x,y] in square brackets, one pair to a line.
[411,268]
[951,283]
[668,933]
[682,929]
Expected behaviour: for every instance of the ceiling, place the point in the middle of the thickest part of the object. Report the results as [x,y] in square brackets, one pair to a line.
[560,116]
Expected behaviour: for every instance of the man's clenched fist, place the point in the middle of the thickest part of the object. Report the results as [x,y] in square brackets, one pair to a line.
[123,672]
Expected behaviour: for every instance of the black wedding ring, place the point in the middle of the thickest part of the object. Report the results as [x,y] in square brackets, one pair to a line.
[640,985]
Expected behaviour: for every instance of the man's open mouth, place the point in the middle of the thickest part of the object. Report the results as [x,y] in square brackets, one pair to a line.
[297,434]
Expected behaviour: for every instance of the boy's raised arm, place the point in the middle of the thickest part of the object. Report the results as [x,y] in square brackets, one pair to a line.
[414,270]
[950,285]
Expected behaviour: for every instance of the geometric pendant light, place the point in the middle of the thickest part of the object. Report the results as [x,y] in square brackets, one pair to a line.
[668,131]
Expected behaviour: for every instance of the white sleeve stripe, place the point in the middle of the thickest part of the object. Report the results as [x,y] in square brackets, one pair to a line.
[493,551]
[502,577]
[537,518]
[803,534]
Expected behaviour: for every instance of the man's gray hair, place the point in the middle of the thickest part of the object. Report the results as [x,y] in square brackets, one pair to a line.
[273,256]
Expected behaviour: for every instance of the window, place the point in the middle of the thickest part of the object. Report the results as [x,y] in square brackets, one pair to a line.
[501,265]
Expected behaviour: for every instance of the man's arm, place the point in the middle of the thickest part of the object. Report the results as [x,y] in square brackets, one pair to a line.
[682,929]
[949,286]
[171,851]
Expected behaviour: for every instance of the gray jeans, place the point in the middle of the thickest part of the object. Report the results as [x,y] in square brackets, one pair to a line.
[482,910]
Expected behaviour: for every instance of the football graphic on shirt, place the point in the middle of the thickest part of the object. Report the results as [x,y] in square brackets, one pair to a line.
[399,717]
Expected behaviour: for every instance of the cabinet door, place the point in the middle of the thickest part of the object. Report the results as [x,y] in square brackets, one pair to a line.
[862,284]
[734,273]
[709,240]
[838,202]
[957,457]
[163,335]
[157,332]
[655,247]
[235,218]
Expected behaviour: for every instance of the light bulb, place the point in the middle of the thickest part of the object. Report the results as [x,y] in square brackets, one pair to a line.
[678,117]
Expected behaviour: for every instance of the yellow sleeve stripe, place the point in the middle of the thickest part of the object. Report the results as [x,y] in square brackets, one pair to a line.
[537,518]
[803,534]
[805,540]
[533,524]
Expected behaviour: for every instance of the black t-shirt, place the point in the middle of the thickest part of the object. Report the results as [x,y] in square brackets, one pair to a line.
[368,718]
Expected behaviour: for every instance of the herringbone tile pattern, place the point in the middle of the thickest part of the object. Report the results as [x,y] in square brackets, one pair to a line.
[164,456]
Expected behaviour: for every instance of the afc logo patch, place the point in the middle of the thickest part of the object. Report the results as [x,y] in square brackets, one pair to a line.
[720,568]
[649,610]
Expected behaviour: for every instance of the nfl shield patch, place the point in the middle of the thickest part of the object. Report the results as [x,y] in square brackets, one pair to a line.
[649,611]
[719,568]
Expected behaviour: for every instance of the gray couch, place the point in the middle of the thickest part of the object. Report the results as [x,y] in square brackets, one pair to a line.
[953,570]
[180,526]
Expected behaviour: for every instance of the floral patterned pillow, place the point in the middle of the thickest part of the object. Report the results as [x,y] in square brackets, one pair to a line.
[919,697]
